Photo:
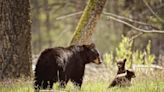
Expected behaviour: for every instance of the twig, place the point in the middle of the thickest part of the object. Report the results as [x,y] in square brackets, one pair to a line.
[69,15]
[106,13]
[50,5]
[125,18]
[151,10]
[57,9]
[138,29]
[137,35]
[118,20]
[148,66]
[155,8]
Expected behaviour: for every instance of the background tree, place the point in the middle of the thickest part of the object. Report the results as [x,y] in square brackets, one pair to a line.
[64,15]
[36,21]
[87,23]
[15,37]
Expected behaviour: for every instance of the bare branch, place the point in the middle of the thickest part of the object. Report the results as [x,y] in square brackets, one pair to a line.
[49,6]
[109,15]
[155,8]
[125,18]
[69,15]
[151,10]
[57,9]
[136,36]
[138,29]
[106,13]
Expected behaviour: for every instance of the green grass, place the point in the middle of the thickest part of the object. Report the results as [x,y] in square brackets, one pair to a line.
[151,82]
[145,85]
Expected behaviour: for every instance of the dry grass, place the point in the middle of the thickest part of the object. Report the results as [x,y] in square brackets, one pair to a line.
[97,79]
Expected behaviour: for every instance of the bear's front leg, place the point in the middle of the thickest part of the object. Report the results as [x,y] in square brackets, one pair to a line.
[45,84]
[78,82]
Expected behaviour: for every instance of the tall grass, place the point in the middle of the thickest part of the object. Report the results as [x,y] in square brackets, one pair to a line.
[149,81]
[147,84]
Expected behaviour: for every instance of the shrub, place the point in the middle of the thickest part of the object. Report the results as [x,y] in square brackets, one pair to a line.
[124,50]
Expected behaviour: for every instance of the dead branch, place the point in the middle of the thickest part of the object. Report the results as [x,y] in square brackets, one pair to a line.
[49,5]
[125,18]
[151,10]
[109,15]
[136,36]
[69,15]
[138,29]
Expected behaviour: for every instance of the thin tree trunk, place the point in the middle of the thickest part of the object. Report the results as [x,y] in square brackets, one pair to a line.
[15,38]
[47,23]
[37,45]
[80,5]
[87,23]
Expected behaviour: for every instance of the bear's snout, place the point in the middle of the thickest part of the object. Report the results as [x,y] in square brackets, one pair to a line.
[98,61]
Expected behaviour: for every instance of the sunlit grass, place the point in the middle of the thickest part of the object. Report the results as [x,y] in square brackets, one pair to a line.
[144,82]
[146,85]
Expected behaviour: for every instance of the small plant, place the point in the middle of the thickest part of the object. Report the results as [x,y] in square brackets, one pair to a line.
[108,58]
[124,50]
[149,58]
[138,57]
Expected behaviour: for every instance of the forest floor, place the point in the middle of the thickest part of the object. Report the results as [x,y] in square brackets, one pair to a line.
[97,79]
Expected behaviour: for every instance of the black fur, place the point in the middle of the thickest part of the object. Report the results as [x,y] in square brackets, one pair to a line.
[64,64]
[121,66]
[123,79]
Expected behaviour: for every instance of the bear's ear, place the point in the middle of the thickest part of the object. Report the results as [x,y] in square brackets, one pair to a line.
[92,45]
[127,71]
[124,60]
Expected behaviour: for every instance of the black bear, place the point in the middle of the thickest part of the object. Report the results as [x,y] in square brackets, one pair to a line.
[121,66]
[123,79]
[62,64]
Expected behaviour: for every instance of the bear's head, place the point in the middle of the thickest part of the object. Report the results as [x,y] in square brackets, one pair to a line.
[92,54]
[121,64]
[130,74]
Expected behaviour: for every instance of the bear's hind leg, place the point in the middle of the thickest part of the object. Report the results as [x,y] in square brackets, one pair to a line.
[37,85]
[51,84]
[45,84]
[62,79]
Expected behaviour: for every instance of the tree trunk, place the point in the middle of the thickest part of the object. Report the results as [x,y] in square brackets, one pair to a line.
[87,23]
[47,23]
[15,39]
[80,5]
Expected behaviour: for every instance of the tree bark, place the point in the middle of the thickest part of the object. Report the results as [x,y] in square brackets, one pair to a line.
[15,38]
[80,5]
[87,23]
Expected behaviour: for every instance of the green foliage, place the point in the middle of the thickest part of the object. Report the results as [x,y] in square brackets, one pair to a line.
[107,58]
[144,57]
[124,50]
[138,57]
[149,58]
[108,32]
[139,86]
